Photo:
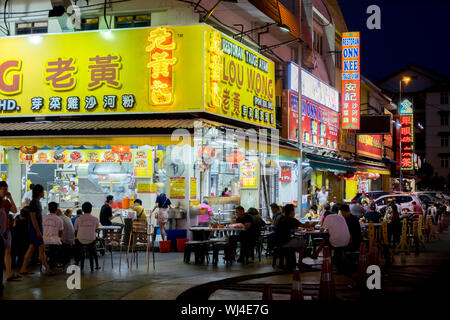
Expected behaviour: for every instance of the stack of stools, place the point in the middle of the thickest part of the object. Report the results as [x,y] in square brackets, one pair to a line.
[216,246]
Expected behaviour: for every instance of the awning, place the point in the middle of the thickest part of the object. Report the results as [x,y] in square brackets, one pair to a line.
[330,164]
[373,169]
[77,141]
[71,125]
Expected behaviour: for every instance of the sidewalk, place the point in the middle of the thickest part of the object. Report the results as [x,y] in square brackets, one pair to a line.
[172,277]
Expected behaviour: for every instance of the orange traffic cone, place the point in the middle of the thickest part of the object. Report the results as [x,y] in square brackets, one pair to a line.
[267,292]
[300,257]
[327,290]
[297,291]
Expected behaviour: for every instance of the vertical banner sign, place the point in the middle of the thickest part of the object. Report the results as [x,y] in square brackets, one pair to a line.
[293,116]
[193,188]
[177,188]
[350,80]
[407,135]
[249,174]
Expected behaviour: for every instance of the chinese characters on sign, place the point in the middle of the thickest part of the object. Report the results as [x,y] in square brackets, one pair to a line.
[320,125]
[370,146]
[161,49]
[350,80]
[407,139]
[177,188]
[240,82]
[293,117]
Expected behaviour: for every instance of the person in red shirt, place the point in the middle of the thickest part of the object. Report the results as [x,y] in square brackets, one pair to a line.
[7,205]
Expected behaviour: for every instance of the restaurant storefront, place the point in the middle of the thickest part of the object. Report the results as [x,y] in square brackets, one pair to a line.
[371,175]
[135,115]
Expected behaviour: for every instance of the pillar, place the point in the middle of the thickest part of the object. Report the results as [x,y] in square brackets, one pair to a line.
[14,175]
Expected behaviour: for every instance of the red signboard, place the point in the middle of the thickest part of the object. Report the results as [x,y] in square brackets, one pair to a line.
[320,125]
[407,140]
[351,80]
[370,146]
[286,173]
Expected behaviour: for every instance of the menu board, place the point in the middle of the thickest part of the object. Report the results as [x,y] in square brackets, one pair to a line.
[193,188]
[142,163]
[143,188]
[249,174]
[76,156]
[177,188]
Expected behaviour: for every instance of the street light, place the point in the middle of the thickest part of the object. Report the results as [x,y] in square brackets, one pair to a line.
[406,80]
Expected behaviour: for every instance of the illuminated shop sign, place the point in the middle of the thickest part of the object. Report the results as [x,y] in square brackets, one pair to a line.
[370,146]
[241,83]
[320,125]
[351,80]
[293,75]
[147,70]
[320,92]
[407,139]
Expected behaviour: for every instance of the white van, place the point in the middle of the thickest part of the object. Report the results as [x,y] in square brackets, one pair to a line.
[402,200]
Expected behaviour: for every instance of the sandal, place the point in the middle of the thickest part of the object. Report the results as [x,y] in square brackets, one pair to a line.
[14,278]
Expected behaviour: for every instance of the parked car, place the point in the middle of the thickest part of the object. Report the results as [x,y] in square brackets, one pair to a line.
[371,194]
[404,200]
[429,197]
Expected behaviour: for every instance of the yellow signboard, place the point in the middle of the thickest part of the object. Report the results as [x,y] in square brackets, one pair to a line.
[148,70]
[177,188]
[240,83]
[143,188]
[249,174]
[193,188]
[142,163]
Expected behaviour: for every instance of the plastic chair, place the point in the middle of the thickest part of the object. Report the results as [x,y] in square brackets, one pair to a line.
[139,238]
[112,237]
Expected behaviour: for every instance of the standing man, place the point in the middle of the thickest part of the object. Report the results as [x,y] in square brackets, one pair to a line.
[28,196]
[323,197]
[7,204]
[417,210]
[35,232]
[106,212]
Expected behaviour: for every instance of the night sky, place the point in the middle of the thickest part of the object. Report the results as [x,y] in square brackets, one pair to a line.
[412,31]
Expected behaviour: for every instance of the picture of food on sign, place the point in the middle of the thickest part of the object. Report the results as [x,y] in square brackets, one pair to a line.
[76,156]
[109,156]
[141,163]
[92,155]
[141,154]
[59,156]
[42,156]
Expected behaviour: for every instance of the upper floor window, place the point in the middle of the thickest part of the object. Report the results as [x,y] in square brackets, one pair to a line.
[318,42]
[444,162]
[444,141]
[31,27]
[444,97]
[89,23]
[133,21]
[444,119]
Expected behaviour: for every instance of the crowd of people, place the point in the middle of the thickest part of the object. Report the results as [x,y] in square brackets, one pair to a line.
[56,237]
